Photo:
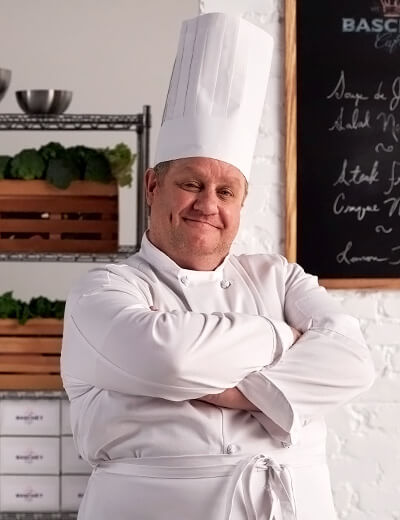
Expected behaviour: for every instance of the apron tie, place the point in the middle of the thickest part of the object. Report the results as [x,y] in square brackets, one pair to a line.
[279,501]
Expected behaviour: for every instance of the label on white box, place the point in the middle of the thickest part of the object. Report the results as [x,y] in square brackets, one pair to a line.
[71,461]
[72,490]
[29,493]
[29,417]
[65,418]
[30,455]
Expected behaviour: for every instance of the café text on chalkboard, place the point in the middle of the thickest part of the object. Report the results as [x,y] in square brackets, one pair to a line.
[347,133]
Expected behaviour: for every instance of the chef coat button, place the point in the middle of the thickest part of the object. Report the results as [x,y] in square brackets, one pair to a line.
[185,280]
[231,449]
[225,284]
[285,445]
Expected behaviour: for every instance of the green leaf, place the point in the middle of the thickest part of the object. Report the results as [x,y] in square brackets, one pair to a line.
[121,160]
[40,307]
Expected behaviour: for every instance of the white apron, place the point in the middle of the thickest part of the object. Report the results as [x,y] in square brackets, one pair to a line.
[211,487]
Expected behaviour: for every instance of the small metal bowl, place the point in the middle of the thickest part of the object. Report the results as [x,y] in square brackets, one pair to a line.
[44,101]
[5,78]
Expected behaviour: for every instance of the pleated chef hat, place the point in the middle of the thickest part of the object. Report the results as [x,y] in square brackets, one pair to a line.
[217,90]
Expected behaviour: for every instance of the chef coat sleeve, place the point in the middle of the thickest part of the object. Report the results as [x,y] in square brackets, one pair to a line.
[329,365]
[112,340]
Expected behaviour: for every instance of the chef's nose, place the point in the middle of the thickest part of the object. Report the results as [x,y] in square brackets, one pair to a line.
[206,202]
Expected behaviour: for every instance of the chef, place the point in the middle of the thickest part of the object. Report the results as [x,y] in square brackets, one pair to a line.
[199,380]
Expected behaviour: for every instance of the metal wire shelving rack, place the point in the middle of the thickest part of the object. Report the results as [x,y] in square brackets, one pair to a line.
[141,123]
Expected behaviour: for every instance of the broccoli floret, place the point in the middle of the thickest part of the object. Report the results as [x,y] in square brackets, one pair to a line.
[27,165]
[52,150]
[97,167]
[61,172]
[5,161]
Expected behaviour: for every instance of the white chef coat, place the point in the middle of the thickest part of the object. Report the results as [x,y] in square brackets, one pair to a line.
[143,339]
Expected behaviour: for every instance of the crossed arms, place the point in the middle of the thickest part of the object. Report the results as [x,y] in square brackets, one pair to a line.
[112,340]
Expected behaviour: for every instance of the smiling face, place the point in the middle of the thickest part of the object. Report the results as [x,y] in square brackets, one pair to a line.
[195,210]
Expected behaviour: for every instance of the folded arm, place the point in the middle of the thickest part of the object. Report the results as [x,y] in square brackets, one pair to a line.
[113,340]
[329,364]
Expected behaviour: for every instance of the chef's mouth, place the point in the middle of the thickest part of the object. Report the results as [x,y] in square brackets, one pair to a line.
[199,221]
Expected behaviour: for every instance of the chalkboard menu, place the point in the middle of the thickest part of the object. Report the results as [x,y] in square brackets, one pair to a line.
[348,138]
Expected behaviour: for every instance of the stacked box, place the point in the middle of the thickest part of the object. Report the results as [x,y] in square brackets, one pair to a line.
[29,455]
[40,468]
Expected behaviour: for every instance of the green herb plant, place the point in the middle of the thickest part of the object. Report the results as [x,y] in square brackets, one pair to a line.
[39,307]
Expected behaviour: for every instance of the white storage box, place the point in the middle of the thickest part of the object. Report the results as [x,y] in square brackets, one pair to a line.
[71,461]
[72,490]
[30,455]
[29,417]
[65,418]
[29,493]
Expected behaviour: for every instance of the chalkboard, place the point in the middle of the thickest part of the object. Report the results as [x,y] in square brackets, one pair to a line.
[344,204]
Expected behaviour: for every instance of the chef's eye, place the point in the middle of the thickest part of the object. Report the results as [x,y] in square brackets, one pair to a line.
[191,186]
[225,193]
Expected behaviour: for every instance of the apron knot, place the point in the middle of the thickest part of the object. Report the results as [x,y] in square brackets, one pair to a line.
[279,501]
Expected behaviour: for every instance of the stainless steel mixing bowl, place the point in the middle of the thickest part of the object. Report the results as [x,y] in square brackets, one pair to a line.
[5,78]
[44,101]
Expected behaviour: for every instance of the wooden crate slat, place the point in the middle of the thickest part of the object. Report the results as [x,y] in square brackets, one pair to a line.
[46,204]
[38,187]
[27,345]
[25,363]
[33,327]
[47,245]
[58,226]
[30,382]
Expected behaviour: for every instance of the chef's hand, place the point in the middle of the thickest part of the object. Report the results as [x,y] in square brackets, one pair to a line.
[296,334]
[230,398]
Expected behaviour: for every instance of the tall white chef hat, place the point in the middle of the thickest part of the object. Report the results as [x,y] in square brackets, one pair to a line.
[217,90]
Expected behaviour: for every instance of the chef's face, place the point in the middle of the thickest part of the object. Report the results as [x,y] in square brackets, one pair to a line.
[195,210]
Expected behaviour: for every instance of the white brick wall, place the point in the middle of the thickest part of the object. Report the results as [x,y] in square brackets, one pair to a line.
[364,436]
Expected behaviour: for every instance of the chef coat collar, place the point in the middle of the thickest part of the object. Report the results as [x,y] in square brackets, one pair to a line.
[161,262]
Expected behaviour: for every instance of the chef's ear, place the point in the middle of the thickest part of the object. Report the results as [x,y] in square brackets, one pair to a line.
[151,181]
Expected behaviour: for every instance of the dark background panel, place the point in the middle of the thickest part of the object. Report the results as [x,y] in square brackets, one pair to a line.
[347,245]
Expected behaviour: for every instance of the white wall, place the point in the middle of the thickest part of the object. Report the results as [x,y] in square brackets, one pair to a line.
[116,56]
[99,49]
[364,436]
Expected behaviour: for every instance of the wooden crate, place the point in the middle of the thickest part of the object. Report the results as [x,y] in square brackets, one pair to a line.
[35,216]
[30,354]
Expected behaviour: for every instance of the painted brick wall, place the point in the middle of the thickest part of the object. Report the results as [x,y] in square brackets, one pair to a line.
[364,436]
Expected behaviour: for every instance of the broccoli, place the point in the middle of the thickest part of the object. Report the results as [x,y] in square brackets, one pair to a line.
[27,165]
[4,165]
[60,166]
[97,167]
[52,150]
[61,172]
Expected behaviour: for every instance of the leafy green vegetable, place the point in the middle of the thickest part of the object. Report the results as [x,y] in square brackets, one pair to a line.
[60,166]
[61,172]
[97,167]
[40,307]
[27,165]
[52,150]
[121,160]
[4,165]
[12,308]
[78,154]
